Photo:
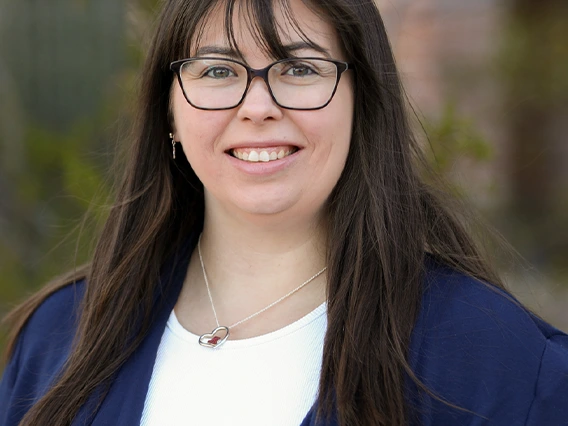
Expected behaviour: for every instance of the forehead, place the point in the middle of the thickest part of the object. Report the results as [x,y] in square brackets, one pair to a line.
[292,22]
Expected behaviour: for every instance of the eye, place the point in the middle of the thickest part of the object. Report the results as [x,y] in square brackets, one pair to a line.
[300,70]
[218,72]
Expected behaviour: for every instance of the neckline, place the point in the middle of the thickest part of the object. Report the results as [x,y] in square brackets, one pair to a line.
[187,336]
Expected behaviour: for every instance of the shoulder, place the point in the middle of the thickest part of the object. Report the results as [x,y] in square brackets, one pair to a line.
[461,304]
[477,347]
[41,351]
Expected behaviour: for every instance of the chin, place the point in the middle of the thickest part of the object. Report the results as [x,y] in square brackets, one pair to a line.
[267,209]
[270,207]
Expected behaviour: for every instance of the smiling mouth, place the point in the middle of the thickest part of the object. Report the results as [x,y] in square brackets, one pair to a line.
[264,155]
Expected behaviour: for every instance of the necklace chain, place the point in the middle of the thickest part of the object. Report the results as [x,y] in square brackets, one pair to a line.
[309,280]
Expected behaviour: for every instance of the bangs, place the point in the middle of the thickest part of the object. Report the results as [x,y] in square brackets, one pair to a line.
[258,17]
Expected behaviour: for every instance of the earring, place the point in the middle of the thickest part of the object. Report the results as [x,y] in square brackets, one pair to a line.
[173,145]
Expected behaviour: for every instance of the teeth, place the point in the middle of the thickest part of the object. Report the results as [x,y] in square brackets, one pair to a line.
[263,156]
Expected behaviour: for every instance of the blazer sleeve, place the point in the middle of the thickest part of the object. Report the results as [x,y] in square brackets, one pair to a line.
[550,403]
[41,350]
[11,411]
[495,363]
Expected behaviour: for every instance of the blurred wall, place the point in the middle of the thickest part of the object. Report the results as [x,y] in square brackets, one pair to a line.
[58,55]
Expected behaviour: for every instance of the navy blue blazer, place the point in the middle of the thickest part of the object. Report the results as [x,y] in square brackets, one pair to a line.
[472,345]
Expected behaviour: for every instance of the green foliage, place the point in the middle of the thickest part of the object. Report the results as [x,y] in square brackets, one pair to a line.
[59,188]
[60,192]
[52,197]
[454,141]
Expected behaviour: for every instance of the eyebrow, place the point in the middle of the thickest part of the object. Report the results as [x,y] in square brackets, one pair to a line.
[226,51]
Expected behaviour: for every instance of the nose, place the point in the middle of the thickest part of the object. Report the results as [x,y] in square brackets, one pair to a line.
[258,105]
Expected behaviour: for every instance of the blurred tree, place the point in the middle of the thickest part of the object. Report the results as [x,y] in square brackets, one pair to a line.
[535,59]
[67,79]
[454,139]
[65,70]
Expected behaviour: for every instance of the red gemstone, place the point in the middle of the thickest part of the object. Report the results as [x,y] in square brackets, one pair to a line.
[214,340]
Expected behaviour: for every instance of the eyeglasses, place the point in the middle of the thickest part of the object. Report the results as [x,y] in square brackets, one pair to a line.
[294,83]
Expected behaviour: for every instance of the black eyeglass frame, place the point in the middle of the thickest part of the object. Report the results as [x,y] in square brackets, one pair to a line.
[262,73]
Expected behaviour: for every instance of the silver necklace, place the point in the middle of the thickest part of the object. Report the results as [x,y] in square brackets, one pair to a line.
[220,334]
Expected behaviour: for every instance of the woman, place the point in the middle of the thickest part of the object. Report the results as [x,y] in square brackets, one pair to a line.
[273,256]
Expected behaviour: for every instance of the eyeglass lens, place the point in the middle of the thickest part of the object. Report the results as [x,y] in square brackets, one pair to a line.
[295,83]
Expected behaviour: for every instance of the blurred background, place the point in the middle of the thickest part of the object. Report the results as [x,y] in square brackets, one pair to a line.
[488,80]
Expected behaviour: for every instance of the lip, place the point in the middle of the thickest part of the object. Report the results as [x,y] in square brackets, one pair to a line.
[262,168]
[262,144]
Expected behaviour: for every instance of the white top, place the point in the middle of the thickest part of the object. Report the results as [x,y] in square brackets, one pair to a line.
[267,380]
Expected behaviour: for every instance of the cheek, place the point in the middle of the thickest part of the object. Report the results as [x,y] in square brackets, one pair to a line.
[197,130]
[330,128]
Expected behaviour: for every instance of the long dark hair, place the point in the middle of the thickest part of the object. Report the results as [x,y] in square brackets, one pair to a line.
[383,221]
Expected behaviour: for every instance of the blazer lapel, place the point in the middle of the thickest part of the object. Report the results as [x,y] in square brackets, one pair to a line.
[124,403]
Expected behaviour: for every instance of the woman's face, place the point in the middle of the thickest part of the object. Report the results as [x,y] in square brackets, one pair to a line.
[295,186]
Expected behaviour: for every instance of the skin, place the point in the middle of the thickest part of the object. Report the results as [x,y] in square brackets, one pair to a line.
[264,228]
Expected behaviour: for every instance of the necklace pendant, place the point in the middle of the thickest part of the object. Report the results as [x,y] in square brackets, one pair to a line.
[214,339]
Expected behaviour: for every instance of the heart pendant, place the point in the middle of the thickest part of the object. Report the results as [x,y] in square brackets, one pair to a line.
[216,338]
